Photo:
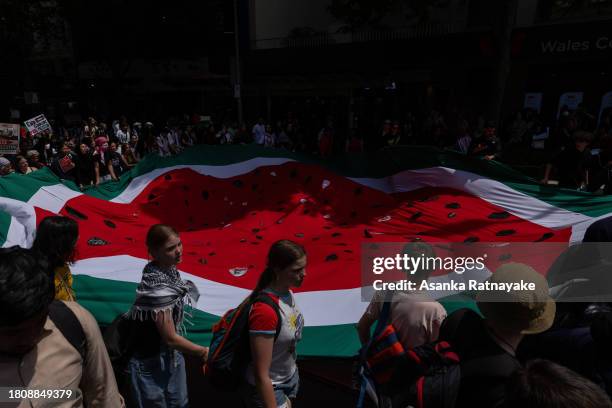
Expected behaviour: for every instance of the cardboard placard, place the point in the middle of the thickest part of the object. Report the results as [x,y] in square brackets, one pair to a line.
[37,124]
[9,138]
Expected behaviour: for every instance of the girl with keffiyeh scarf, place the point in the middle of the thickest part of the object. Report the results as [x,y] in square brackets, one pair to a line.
[157,368]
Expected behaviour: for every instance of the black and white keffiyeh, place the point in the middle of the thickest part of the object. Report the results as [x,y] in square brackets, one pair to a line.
[161,290]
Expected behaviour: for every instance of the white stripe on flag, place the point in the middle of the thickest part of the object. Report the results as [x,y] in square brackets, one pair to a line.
[320,308]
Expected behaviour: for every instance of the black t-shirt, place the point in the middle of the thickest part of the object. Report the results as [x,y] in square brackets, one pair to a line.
[64,167]
[485,366]
[146,340]
[571,165]
[115,159]
[85,173]
[102,164]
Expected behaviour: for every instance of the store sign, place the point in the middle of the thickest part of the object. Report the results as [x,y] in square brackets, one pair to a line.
[564,40]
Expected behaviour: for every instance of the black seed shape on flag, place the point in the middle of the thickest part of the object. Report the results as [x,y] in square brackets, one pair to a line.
[315,238]
[203,261]
[327,227]
[76,213]
[151,197]
[258,237]
[336,234]
[415,216]
[358,191]
[255,230]
[452,215]
[243,240]
[308,179]
[293,173]
[238,183]
[205,195]
[469,240]
[367,234]
[428,199]
[168,177]
[453,206]
[331,257]
[504,233]
[110,224]
[95,241]
[544,237]
[254,243]
[499,215]
[299,235]
[504,257]
[348,251]
[341,244]
[130,239]
[212,254]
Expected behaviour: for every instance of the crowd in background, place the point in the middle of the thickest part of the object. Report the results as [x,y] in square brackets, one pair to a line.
[575,151]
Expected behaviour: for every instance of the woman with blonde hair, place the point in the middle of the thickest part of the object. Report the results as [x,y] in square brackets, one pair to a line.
[157,367]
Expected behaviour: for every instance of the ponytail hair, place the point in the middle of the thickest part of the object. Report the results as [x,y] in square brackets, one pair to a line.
[281,254]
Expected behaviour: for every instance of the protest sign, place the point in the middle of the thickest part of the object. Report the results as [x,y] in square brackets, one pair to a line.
[37,124]
[9,138]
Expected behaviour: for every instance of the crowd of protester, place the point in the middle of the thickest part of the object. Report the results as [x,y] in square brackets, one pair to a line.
[535,349]
[574,151]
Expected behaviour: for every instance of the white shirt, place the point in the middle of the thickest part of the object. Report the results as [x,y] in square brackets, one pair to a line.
[259,134]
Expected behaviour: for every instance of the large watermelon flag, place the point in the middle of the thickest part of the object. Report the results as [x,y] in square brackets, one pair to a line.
[231,202]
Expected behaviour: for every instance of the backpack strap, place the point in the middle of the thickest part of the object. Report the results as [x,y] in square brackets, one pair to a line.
[70,326]
[367,386]
[383,317]
[263,298]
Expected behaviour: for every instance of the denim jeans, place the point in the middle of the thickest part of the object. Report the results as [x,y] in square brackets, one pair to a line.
[159,381]
[282,392]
